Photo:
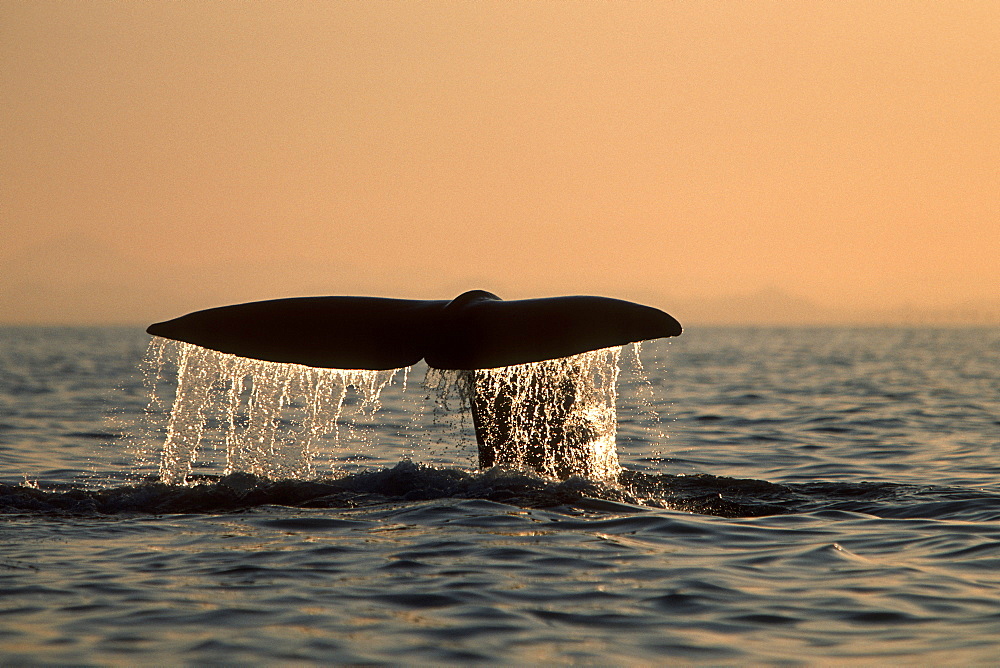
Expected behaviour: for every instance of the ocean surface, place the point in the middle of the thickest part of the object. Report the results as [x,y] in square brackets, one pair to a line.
[789,496]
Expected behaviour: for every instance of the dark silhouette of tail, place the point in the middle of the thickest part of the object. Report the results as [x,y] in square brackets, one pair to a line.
[476,330]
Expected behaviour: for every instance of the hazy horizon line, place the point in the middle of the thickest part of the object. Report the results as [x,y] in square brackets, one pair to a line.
[765,307]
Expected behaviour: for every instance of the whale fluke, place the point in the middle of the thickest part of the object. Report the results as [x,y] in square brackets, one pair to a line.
[481,331]
[328,332]
[473,333]
[476,330]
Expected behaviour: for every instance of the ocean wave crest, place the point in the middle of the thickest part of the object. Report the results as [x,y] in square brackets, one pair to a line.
[634,491]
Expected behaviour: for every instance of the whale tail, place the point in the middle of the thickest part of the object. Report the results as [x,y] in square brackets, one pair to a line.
[476,330]
[472,333]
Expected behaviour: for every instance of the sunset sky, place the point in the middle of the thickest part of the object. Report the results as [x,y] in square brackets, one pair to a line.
[159,157]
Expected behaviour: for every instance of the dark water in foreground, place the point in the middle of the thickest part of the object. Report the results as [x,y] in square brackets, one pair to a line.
[790,496]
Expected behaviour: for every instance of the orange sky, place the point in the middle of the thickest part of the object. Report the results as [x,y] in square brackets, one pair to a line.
[163,157]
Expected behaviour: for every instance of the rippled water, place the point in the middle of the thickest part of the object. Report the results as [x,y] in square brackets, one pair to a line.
[789,495]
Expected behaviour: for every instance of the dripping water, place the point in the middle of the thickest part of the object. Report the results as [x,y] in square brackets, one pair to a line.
[272,416]
[274,420]
[556,417]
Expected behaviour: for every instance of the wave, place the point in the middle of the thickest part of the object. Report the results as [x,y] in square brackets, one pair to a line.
[633,492]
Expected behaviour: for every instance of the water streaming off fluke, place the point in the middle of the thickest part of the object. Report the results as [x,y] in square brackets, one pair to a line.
[272,415]
[556,417]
